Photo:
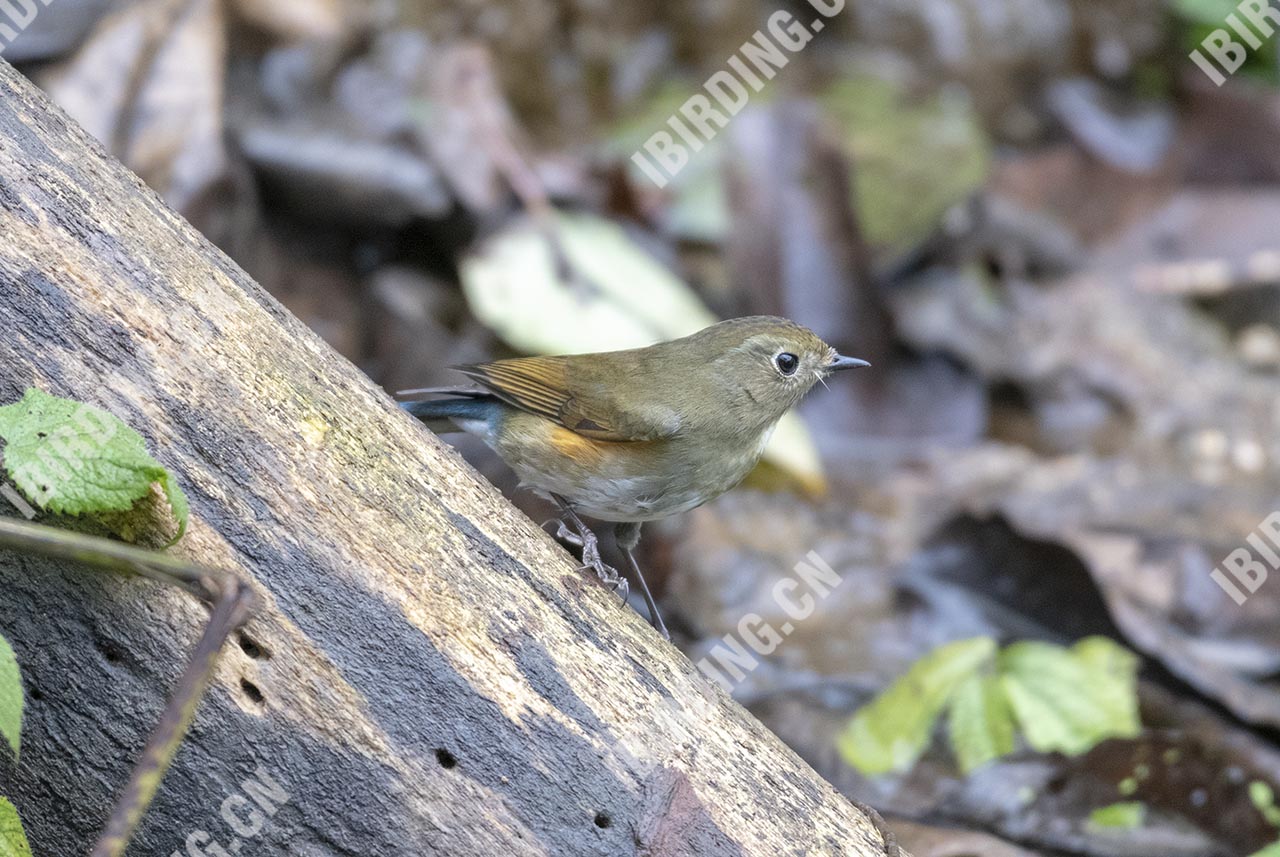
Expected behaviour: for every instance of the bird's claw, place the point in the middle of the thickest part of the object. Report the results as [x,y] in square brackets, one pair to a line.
[610,577]
[568,536]
[591,559]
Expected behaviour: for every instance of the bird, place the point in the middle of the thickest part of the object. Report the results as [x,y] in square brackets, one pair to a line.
[637,435]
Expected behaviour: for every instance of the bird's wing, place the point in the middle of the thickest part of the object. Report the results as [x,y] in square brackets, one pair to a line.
[571,394]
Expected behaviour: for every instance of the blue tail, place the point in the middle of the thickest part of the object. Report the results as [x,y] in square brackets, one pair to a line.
[448,415]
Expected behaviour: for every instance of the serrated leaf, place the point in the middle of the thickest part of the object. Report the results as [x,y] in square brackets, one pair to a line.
[892,731]
[981,724]
[13,839]
[1129,815]
[1118,692]
[11,697]
[74,459]
[71,458]
[622,297]
[1070,700]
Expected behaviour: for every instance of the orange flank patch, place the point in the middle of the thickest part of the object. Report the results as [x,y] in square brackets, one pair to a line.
[582,450]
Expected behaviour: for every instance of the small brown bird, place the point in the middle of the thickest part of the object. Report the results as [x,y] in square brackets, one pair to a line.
[637,435]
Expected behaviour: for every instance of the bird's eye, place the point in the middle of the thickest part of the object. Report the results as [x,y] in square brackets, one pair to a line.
[787,363]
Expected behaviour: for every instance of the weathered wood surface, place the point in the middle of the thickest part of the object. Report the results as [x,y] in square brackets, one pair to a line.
[429,674]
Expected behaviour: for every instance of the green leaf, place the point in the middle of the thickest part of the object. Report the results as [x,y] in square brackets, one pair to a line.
[1119,816]
[10,697]
[1201,18]
[1261,795]
[1208,12]
[981,723]
[890,733]
[1115,687]
[1070,700]
[1264,800]
[71,458]
[13,840]
[913,157]
[1272,850]
[621,297]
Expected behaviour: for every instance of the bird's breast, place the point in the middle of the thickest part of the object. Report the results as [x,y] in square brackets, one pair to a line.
[624,481]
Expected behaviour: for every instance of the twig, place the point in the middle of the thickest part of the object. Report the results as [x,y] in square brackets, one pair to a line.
[228,614]
[478,83]
[232,600]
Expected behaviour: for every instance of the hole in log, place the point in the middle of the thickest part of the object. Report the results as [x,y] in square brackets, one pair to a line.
[111,650]
[250,647]
[603,821]
[446,759]
[251,690]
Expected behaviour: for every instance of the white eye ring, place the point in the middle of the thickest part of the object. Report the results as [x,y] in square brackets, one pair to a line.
[786,363]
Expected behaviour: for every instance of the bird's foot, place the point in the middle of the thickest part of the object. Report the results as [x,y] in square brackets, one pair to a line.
[563,533]
[591,559]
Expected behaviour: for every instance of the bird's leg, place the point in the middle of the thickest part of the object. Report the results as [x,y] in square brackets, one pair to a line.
[563,533]
[581,536]
[627,535]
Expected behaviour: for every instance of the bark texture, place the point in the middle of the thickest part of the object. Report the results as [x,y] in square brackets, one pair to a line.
[428,674]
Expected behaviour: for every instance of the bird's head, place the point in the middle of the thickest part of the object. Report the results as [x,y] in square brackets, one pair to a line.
[771,362]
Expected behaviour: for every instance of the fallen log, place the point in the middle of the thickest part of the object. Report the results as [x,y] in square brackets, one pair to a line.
[427,672]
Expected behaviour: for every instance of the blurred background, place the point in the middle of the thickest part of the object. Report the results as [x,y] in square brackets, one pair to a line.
[1055,237]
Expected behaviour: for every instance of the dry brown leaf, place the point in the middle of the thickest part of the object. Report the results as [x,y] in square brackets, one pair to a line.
[295,20]
[149,84]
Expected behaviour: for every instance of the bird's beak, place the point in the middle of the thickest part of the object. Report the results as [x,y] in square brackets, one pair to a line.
[845,363]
